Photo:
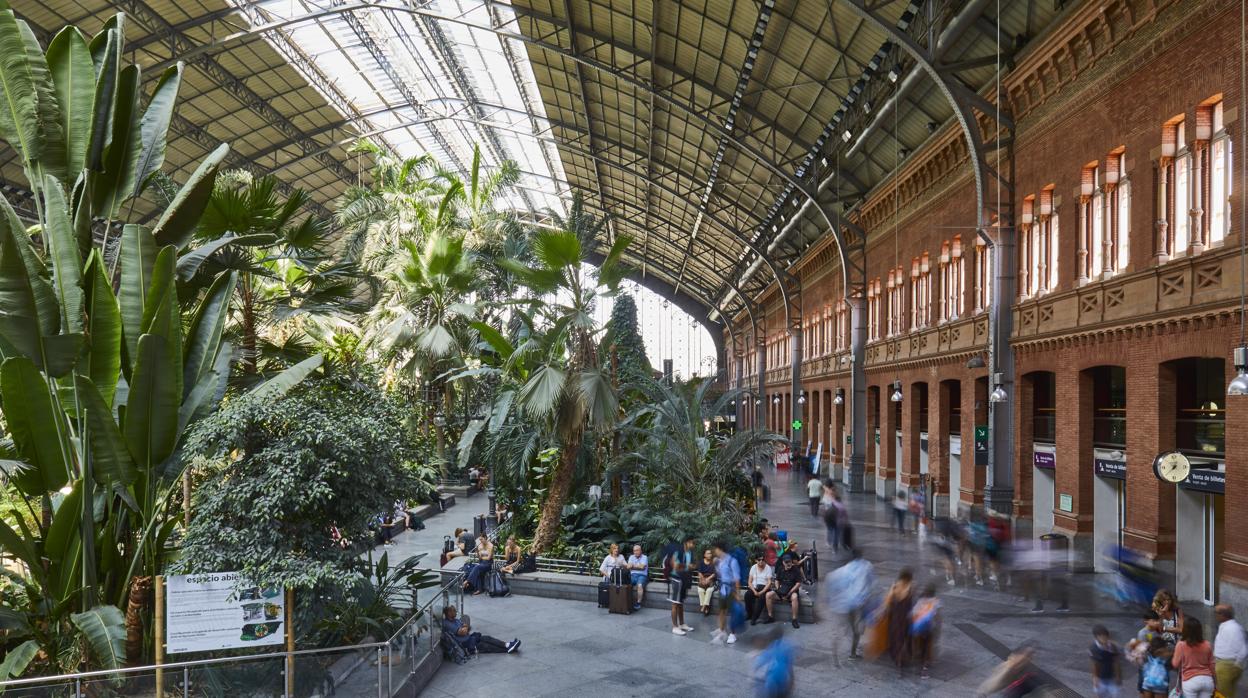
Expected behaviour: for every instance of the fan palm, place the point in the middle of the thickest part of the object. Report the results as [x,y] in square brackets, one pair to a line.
[568,388]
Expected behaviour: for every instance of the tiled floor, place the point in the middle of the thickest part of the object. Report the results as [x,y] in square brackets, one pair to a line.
[577,649]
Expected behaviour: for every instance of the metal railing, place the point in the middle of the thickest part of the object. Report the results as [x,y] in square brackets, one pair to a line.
[397,659]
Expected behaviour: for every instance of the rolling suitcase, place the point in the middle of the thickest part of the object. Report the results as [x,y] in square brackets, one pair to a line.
[604,594]
[620,599]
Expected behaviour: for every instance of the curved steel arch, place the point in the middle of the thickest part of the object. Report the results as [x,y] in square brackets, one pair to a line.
[578,151]
[694,114]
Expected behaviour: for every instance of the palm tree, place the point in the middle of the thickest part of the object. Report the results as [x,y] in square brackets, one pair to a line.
[569,388]
[700,466]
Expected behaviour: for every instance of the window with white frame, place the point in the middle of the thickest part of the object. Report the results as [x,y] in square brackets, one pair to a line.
[842,326]
[1107,242]
[874,301]
[1174,187]
[896,302]
[920,291]
[983,275]
[951,279]
[1094,241]
[1217,187]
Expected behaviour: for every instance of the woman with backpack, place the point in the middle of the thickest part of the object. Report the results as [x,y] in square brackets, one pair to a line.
[924,625]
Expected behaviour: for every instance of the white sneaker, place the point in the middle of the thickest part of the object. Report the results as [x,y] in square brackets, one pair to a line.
[677,631]
[686,628]
[717,639]
[732,639]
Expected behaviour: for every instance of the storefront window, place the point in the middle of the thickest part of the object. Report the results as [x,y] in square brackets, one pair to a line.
[1200,427]
[1109,400]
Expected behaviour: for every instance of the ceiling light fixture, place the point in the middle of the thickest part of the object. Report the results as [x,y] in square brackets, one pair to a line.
[896,396]
[894,73]
[998,392]
[775,400]
[840,397]
[846,136]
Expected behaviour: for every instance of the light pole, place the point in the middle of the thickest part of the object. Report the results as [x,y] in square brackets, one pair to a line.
[439,426]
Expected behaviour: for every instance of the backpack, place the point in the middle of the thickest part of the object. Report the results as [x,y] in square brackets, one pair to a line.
[452,650]
[923,617]
[447,544]
[736,617]
[496,586]
[1156,679]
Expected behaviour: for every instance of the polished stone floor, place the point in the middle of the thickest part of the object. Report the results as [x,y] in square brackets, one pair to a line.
[577,649]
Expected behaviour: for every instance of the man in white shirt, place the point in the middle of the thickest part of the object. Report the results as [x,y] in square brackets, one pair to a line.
[814,490]
[1229,650]
[639,569]
[762,580]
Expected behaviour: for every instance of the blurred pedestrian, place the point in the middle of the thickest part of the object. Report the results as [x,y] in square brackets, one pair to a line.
[728,576]
[924,627]
[900,508]
[1155,672]
[1229,650]
[1015,677]
[831,513]
[898,603]
[814,490]
[773,666]
[1106,668]
[1171,616]
[849,592]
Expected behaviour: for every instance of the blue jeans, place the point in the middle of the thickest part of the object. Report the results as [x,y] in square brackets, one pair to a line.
[638,579]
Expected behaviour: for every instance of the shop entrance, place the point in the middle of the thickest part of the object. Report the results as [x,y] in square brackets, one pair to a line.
[1109,444]
[1200,434]
[1044,450]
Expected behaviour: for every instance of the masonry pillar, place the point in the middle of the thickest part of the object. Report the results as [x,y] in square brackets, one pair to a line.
[1024,440]
[1233,587]
[939,413]
[1150,516]
[872,425]
[1076,396]
[886,473]
[974,411]
[911,406]
[859,461]
[838,433]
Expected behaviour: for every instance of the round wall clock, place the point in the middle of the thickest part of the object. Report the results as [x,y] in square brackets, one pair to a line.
[1172,467]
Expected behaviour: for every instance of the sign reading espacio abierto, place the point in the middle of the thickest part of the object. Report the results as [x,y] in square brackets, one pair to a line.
[1114,469]
[1206,480]
[205,612]
[1044,459]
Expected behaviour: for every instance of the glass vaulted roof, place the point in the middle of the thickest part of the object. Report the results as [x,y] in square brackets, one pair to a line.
[421,86]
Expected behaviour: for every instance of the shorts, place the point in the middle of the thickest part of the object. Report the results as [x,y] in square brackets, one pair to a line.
[678,587]
[638,578]
[725,600]
[786,590]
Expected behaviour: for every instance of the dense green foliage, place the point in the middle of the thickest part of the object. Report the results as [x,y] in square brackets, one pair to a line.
[623,343]
[280,475]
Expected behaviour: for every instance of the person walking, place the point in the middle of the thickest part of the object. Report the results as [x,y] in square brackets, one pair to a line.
[728,575]
[900,508]
[680,566]
[1230,651]
[849,590]
[756,479]
[924,628]
[1167,609]
[1106,667]
[899,602]
[773,666]
[1193,657]
[814,491]
[830,503]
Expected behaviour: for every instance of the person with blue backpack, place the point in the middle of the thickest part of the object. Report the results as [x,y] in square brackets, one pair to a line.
[728,575]
[924,626]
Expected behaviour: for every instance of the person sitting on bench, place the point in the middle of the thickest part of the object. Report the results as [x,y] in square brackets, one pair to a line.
[473,642]
[639,574]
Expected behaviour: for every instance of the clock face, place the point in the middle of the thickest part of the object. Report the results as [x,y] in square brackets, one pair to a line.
[1172,467]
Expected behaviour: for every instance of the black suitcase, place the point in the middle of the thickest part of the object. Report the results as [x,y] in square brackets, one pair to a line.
[766,493]
[604,594]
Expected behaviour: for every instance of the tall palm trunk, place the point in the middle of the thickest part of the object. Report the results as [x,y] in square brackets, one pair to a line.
[250,351]
[136,608]
[560,486]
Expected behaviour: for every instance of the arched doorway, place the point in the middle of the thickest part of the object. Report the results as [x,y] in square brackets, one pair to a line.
[1109,467]
[1042,386]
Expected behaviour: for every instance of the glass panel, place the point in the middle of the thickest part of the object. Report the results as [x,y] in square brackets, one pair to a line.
[263,678]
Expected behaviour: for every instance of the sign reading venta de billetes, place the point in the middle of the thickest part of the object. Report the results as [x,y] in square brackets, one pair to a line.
[205,612]
[1044,459]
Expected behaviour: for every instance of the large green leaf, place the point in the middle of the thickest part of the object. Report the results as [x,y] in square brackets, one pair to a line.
[105,50]
[51,158]
[495,339]
[162,315]
[180,218]
[204,336]
[597,395]
[541,393]
[64,543]
[190,261]
[112,186]
[155,125]
[21,120]
[37,426]
[16,544]
[17,659]
[73,73]
[26,295]
[63,249]
[110,461]
[278,385]
[151,417]
[104,330]
[557,249]
[137,255]
[105,629]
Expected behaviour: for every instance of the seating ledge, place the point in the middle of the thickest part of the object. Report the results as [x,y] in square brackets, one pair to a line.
[580,587]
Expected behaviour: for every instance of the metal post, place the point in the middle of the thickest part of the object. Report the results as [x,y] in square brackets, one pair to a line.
[379,655]
[999,485]
[78,688]
[159,633]
[795,397]
[186,681]
[856,472]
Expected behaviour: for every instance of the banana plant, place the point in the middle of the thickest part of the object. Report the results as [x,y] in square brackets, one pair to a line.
[105,357]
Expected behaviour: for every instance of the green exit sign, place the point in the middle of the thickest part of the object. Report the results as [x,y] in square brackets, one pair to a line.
[797,425]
